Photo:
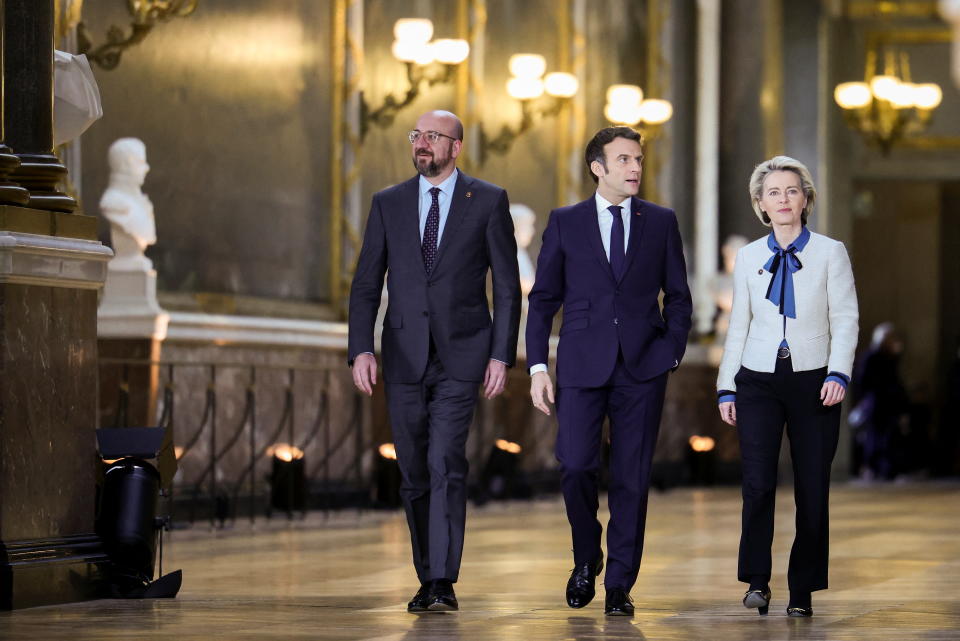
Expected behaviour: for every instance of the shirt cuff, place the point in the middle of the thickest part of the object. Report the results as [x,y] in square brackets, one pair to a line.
[537,368]
[499,361]
[726,396]
[837,377]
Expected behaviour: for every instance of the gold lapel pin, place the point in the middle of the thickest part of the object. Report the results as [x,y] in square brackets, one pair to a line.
[469,194]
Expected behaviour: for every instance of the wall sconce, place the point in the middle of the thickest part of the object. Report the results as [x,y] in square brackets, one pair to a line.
[146,14]
[413,47]
[887,107]
[626,106]
[527,84]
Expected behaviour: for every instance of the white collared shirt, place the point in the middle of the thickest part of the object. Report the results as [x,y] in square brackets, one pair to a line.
[605,220]
[445,197]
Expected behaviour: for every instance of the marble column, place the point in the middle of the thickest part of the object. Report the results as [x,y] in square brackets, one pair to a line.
[346,222]
[708,148]
[48,396]
[950,10]
[51,267]
[472,27]
[28,101]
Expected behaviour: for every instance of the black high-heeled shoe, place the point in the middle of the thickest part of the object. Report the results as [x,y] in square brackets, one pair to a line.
[759,599]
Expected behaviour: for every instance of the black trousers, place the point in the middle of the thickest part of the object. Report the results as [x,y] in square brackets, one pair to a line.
[765,401]
[430,421]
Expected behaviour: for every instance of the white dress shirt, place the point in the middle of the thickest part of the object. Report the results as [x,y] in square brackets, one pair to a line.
[605,220]
[444,198]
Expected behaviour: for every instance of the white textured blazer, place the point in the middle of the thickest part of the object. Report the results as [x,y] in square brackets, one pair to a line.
[825,329]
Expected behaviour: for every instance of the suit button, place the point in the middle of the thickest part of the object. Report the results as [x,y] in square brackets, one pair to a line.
[616,321]
[426,313]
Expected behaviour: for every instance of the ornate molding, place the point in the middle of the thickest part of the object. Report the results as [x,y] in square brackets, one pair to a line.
[47,261]
[250,330]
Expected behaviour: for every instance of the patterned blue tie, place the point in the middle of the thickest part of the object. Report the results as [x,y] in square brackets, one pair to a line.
[430,232]
[617,250]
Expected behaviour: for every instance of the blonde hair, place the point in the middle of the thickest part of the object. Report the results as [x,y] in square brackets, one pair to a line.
[781,163]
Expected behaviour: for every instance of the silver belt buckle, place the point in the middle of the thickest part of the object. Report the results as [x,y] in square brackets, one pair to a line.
[783,352]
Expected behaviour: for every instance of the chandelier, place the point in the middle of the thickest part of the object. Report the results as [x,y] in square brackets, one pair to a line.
[887,106]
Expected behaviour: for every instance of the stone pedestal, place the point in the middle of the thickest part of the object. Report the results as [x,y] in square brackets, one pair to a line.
[129,308]
[48,391]
[131,326]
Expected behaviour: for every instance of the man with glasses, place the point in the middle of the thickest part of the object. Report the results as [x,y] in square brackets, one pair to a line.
[435,236]
[605,261]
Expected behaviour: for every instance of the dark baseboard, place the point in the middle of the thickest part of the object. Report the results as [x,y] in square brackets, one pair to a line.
[47,571]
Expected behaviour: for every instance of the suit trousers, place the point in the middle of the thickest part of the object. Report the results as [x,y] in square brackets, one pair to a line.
[765,401]
[634,408]
[430,421]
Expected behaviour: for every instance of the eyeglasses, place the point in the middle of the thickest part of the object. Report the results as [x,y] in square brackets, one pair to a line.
[432,136]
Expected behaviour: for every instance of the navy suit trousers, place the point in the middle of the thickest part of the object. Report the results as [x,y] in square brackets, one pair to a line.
[431,421]
[634,408]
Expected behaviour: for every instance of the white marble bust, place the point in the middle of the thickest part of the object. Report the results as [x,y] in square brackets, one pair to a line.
[128,209]
[523,230]
[722,285]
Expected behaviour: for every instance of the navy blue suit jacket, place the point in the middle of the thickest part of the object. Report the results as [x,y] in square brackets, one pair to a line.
[450,304]
[601,315]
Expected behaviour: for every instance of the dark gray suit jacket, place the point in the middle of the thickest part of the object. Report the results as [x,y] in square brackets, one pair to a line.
[450,304]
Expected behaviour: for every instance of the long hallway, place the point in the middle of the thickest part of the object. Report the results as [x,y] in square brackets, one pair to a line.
[895,574]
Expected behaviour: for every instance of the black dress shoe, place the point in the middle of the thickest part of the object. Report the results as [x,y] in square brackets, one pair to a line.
[759,599]
[799,604]
[442,597]
[580,586]
[799,612]
[619,603]
[420,601]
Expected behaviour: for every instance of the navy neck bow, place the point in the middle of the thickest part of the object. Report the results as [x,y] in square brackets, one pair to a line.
[782,266]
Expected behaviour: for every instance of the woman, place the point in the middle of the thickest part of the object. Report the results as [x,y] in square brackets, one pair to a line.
[787,359]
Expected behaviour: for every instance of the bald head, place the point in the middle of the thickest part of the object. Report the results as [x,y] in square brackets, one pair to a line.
[445,122]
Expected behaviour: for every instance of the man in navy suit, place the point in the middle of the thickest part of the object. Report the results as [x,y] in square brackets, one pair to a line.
[605,261]
[436,236]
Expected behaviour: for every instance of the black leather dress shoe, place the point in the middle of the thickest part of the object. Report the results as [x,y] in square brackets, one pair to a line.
[420,601]
[580,586]
[619,603]
[442,597]
[799,612]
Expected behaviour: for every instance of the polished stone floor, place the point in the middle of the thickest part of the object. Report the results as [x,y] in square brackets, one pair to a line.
[895,574]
